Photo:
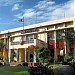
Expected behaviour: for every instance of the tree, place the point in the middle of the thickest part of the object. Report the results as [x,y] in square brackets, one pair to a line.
[2,44]
[69,38]
[44,54]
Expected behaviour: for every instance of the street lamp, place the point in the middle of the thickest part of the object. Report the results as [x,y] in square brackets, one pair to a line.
[8,36]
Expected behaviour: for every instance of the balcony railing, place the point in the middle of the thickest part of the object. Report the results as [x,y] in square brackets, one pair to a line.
[24,42]
[15,43]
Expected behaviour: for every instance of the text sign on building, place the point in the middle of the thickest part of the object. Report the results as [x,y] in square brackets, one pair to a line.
[29,31]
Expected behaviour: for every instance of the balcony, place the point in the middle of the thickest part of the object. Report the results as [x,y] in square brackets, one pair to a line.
[27,43]
[24,42]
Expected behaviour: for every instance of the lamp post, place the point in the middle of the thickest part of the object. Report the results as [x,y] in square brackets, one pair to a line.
[8,36]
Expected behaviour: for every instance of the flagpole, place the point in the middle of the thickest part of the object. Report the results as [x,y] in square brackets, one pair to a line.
[23,30]
[23,23]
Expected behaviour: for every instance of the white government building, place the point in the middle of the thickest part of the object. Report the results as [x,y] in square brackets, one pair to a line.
[22,42]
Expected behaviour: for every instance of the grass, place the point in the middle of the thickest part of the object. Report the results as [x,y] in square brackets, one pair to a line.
[17,70]
[56,65]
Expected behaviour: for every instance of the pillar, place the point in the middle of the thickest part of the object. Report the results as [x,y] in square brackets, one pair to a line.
[17,54]
[65,47]
[34,56]
[55,47]
[25,55]
[28,56]
[4,50]
[9,55]
[9,51]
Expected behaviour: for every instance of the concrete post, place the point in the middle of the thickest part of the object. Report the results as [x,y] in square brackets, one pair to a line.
[17,54]
[34,56]
[55,47]
[9,51]
[25,55]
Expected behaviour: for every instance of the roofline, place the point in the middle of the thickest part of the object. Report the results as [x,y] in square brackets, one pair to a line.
[38,25]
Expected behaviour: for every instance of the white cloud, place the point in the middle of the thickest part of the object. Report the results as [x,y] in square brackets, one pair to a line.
[54,11]
[43,4]
[29,13]
[48,10]
[19,15]
[9,2]
[15,7]
[67,9]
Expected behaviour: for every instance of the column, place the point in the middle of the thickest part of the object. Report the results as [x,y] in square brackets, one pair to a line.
[55,47]
[28,56]
[65,47]
[17,54]
[4,52]
[64,41]
[25,55]
[34,56]
[9,55]
[9,51]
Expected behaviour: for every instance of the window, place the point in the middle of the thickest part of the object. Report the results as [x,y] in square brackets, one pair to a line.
[51,35]
[59,34]
[29,37]
[12,39]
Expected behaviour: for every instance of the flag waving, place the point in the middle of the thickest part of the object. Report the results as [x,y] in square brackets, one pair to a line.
[21,20]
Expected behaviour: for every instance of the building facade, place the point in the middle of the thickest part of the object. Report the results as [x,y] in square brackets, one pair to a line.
[20,44]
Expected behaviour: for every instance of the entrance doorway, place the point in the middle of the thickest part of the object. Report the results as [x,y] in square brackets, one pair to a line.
[31,57]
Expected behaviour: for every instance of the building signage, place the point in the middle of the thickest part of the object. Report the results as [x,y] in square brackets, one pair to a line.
[29,31]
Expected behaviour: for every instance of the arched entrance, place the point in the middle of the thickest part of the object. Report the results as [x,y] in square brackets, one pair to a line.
[31,53]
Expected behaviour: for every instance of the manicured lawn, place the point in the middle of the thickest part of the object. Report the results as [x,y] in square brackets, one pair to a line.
[18,70]
[56,65]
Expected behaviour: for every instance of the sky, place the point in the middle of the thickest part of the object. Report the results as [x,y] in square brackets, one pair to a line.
[33,11]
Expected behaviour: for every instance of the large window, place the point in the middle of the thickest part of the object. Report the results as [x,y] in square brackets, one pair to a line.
[60,34]
[51,35]
[30,38]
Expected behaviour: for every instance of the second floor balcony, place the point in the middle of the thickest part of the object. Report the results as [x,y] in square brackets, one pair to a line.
[24,42]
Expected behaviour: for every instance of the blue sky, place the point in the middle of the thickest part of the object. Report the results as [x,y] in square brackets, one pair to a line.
[33,11]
